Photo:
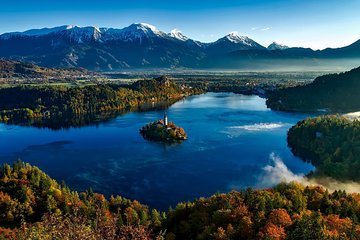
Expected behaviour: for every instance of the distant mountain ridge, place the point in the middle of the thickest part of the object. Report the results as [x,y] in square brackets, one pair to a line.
[143,45]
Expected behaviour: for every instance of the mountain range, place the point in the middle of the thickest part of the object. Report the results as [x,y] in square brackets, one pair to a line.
[142,45]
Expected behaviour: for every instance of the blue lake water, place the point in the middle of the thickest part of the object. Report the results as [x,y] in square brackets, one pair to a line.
[231,140]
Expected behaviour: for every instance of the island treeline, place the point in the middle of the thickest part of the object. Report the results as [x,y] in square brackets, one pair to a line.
[157,131]
[34,206]
[330,143]
[333,92]
[22,103]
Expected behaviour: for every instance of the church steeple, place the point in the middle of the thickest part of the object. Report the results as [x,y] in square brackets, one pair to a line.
[165,119]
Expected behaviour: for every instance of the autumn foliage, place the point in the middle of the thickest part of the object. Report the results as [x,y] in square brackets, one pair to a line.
[34,206]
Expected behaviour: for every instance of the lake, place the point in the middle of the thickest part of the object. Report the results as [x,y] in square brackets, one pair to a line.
[234,142]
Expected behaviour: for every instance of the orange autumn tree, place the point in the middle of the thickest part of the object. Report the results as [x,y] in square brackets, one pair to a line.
[272,231]
[338,227]
[280,217]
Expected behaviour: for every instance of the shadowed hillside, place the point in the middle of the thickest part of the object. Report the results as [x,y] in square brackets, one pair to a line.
[334,92]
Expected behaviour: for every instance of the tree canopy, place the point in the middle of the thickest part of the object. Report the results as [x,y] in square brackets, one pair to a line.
[34,206]
[333,92]
[330,143]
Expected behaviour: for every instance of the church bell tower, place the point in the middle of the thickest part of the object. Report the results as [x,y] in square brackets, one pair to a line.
[165,119]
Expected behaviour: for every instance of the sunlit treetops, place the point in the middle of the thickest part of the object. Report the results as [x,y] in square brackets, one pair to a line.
[32,205]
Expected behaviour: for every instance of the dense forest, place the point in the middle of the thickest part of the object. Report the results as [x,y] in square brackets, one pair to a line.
[26,103]
[333,92]
[34,206]
[330,143]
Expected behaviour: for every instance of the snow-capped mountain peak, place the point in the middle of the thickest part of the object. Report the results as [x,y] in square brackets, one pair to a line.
[236,38]
[176,33]
[79,34]
[67,27]
[233,34]
[277,46]
[146,26]
[135,32]
[233,42]
[83,34]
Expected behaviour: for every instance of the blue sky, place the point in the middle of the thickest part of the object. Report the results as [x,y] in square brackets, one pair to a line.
[308,23]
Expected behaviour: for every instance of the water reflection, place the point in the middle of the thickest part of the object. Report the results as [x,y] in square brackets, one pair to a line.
[77,121]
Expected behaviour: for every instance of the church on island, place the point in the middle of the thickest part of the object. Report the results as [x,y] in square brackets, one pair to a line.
[163,130]
[163,122]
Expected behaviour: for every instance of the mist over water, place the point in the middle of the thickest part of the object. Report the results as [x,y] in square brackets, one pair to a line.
[230,139]
[259,126]
[276,172]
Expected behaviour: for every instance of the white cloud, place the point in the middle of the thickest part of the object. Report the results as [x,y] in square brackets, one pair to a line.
[277,172]
[260,28]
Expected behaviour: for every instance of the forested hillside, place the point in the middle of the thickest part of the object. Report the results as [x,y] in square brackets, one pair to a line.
[334,92]
[22,103]
[27,195]
[330,143]
[10,70]
[34,206]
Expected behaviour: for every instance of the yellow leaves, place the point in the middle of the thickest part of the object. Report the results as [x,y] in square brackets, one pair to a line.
[5,179]
[58,194]
[220,234]
[30,195]
[131,216]
[9,216]
[137,205]
[4,197]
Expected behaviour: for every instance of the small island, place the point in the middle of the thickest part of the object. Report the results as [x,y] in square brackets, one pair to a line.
[164,131]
